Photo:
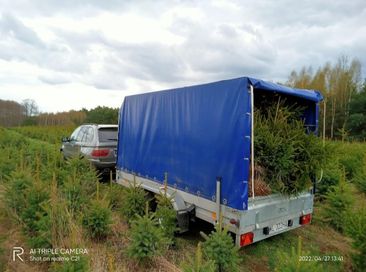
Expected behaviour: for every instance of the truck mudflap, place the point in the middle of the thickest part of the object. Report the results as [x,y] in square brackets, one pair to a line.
[272,215]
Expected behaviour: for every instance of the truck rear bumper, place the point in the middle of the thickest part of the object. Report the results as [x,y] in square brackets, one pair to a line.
[103,164]
[275,214]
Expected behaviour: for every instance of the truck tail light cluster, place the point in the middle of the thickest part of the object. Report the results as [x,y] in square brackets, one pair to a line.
[246,239]
[305,219]
[100,152]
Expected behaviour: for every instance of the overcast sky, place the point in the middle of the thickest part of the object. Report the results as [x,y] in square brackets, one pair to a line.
[71,54]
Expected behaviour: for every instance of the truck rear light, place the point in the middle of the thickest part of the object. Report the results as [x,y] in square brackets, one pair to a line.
[305,219]
[246,239]
[100,152]
[235,222]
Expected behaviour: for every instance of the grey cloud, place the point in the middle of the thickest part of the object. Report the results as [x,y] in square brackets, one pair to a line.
[10,27]
[211,52]
[250,29]
[83,8]
[287,12]
[215,55]
[228,31]
[153,61]
[215,51]
[21,43]
[287,38]
[54,79]
[39,7]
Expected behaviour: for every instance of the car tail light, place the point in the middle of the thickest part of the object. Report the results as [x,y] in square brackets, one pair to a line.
[246,239]
[100,152]
[305,219]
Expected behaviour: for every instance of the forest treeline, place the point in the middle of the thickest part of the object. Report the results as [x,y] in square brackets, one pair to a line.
[344,94]
[340,83]
[26,113]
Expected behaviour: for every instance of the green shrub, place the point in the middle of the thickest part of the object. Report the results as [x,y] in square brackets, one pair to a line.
[147,238]
[337,204]
[8,162]
[42,209]
[49,134]
[74,194]
[78,178]
[356,229]
[360,176]
[42,236]
[198,263]
[36,197]
[332,173]
[38,225]
[16,187]
[167,220]
[166,215]
[97,219]
[115,193]
[288,155]
[220,248]
[35,216]
[286,262]
[348,156]
[82,169]
[351,157]
[59,216]
[134,201]
[30,198]
[77,166]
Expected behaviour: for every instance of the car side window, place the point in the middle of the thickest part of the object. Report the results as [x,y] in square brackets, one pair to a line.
[80,135]
[74,134]
[88,135]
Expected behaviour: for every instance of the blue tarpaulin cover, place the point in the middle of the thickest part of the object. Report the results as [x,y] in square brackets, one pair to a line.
[195,134]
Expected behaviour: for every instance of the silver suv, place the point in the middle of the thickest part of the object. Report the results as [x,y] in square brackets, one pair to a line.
[97,143]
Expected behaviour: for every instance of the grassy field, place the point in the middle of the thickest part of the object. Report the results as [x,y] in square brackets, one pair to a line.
[44,200]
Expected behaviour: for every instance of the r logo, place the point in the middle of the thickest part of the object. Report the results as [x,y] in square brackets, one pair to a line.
[18,252]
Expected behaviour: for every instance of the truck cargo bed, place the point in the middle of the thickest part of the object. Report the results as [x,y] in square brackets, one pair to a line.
[275,212]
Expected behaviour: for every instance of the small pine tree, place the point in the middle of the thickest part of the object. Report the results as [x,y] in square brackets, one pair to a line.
[98,217]
[165,213]
[337,204]
[220,248]
[59,215]
[198,263]
[360,177]
[73,193]
[36,196]
[16,188]
[331,175]
[147,238]
[356,229]
[54,227]
[115,194]
[35,215]
[134,201]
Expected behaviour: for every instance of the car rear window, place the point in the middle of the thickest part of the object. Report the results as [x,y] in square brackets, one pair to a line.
[107,134]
